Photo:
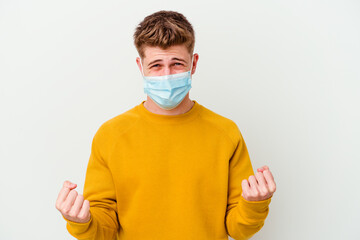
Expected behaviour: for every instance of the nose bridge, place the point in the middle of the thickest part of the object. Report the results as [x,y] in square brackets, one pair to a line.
[167,69]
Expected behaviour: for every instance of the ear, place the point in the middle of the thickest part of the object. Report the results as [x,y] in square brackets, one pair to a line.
[196,58]
[139,64]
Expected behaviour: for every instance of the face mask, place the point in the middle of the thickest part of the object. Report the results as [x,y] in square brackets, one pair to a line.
[167,91]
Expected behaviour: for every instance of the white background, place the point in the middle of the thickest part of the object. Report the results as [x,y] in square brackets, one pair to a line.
[287,72]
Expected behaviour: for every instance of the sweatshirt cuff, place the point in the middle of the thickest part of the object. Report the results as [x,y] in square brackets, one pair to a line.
[76,227]
[255,210]
[256,205]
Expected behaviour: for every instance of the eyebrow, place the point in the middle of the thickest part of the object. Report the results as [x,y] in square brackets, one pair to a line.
[160,60]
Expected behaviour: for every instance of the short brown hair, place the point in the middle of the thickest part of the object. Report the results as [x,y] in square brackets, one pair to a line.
[164,29]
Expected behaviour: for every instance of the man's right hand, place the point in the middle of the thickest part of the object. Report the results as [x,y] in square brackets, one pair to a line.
[72,205]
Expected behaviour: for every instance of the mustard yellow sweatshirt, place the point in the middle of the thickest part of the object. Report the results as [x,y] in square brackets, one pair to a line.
[168,177]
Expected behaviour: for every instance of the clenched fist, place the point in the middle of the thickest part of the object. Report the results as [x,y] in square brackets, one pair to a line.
[259,187]
[72,205]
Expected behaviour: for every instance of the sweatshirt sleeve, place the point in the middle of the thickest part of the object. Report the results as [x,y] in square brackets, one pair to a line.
[243,218]
[99,189]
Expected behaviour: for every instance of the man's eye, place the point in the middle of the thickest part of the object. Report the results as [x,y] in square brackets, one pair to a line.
[179,63]
[156,65]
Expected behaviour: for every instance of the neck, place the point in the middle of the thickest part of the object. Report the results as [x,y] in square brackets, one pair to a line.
[183,107]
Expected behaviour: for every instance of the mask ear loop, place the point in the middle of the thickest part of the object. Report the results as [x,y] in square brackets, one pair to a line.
[192,59]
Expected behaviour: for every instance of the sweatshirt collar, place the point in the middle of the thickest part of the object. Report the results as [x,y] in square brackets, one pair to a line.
[171,119]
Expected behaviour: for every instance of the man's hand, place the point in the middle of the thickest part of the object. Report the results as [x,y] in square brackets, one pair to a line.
[259,187]
[72,205]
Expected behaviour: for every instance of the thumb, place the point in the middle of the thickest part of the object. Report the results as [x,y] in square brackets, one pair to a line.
[263,168]
[70,185]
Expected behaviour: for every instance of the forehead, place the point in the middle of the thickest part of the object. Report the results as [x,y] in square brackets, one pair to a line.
[177,51]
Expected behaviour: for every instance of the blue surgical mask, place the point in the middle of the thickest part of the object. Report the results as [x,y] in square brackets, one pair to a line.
[168,91]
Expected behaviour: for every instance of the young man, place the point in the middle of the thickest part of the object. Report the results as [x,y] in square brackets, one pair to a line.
[169,168]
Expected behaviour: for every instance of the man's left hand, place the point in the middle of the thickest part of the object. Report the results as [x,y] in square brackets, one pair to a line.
[259,187]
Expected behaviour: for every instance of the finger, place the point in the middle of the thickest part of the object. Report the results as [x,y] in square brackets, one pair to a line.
[260,179]
[62,196]
[268,175]
[245,185]
[254,188]
[67,205]
[253,182]
[270,181]
[85,209]
[245,188]
[263,186]
[67,187]
[75,210]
